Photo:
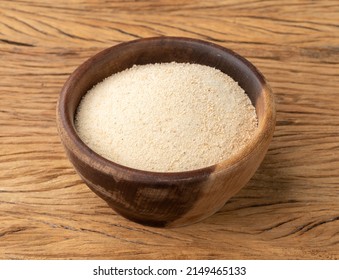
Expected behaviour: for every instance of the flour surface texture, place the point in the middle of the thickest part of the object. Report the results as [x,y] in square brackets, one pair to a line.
[167,117]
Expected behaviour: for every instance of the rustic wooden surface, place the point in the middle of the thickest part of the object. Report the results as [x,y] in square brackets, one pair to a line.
[290,209]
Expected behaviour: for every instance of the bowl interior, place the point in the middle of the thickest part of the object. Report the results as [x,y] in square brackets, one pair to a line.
[165,49]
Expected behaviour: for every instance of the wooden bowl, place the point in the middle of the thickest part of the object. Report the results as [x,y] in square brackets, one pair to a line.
[165,199]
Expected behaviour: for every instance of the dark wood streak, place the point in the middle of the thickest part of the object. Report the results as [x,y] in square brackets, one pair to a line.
[278,225]
[310,227]
[74,36]
[186,31]
[11,231]
[112,236]
[295,21]
[266,204]
[294,231]
[27,24]
[127,33]
[16,43]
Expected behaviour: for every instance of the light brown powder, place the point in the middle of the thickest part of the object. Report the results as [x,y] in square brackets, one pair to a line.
[166,117]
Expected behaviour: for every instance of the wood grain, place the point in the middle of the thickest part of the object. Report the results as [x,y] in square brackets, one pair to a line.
[290,209]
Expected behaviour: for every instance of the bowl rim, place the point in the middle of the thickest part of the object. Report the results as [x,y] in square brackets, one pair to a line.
[69,135]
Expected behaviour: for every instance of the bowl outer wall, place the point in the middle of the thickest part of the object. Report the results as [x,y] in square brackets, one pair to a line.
[164,199]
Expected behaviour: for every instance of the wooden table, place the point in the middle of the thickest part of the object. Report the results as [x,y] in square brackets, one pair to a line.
[290,209]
